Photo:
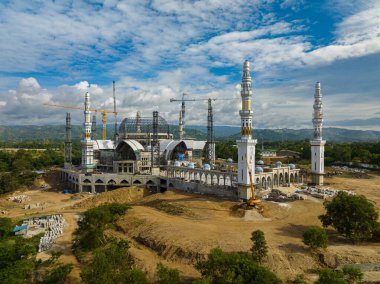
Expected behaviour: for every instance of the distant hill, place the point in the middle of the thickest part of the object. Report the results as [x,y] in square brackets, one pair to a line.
[57,132]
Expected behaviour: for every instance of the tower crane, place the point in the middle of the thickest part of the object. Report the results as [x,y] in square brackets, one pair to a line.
[210,123]
[96,110]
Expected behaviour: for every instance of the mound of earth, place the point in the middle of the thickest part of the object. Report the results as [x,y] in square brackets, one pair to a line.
[120,195]
[161,223]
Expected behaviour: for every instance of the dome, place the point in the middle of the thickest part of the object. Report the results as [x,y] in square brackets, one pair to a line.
[260,162]
[190,165]
[278,164]
[177,164]
[292,166]
[140,124]
[206,167]
[229,160]
[259,170]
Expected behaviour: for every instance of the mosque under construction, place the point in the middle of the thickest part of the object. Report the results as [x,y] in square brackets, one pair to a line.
[144,152]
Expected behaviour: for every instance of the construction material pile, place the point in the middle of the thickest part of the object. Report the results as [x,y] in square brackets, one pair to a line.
[321,193]
[348,169]
[53,227]
[20,198]
[279,196]
[37,205]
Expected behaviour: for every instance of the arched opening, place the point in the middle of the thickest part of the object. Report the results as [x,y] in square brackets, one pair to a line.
[124,182]
[171,185]
[269,182]
[86,181]
[291,178]
[179,152]
[99,181]
[275,182]
[128,150]
[286,178]
[263,183]
[281,179]
[296,178]
[137,182]
[111,184]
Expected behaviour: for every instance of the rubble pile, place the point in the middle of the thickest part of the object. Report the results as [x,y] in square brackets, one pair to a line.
[42,205]
[348,169]
[279,196]
[20,198]
[53,226]
[321,193]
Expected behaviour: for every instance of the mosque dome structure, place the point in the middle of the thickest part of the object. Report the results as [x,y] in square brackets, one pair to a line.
[260,162]
[206,167]
[191,165]
[278,164]
[259,170]
[177,164]
[229,160]
[292,166]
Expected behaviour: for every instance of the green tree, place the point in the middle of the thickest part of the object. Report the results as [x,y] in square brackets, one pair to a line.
[6,225]
[259,248]
[300,279]
[111,264]
[315,237]
[351,215]
[352,274]
[329,276]
[167,275]
[222,267]
[58,275]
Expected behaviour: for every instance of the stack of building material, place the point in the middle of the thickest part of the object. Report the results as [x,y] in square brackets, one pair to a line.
[19,198]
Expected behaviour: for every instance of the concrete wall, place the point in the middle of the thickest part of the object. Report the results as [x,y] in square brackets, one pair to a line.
[194,187]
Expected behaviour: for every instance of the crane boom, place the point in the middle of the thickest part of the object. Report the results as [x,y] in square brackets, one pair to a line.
[102,111]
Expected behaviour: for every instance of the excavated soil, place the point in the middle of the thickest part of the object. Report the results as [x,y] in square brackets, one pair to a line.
[120,195]
[178,229]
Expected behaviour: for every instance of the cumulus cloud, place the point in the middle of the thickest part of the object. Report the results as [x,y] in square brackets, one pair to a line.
[157,50]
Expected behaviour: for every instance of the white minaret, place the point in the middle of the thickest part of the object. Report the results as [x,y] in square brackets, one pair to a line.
[246,145]
[87,143]
[180,127]
[317,144]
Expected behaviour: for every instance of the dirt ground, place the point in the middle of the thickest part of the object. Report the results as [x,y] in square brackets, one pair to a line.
[177,229]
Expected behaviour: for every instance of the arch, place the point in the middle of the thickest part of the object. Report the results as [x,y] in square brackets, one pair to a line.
[291,178]
[269,182]
[124,182]
[281,179]
[296,178]
[275,181]
[137,182]
[86,181]
[111,181]
[150,182]
[263,183]
[286,177]
[171,185]
[99,181]
[128,150]
[257,180]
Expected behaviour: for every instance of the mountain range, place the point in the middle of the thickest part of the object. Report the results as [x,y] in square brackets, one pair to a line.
[57,132]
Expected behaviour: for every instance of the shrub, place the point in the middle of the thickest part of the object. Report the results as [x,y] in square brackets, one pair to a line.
[259,248]
[329,276]
[223,267]
[167,275]
[315,237]
[352,274]
[352,216]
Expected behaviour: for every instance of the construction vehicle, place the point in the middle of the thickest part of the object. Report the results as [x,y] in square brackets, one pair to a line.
[102,111]
[253,202]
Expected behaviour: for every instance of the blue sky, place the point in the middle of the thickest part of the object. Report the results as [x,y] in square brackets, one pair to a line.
[54,51]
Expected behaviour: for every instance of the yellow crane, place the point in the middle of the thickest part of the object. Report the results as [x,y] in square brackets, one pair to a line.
[96,110]
[252,202]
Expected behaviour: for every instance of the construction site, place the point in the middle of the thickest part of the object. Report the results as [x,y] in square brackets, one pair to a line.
[185,203]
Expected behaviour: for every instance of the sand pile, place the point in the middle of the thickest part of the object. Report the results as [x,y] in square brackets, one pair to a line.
[120,195]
